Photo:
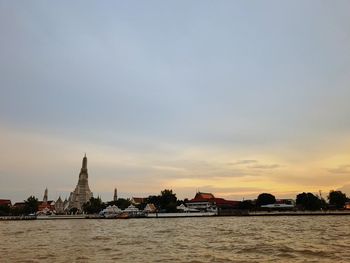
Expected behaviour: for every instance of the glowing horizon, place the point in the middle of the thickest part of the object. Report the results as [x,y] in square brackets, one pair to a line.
[225,175]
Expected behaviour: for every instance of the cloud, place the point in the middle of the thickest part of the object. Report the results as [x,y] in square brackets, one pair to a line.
[265,166]
[242,162]
[341,169]
[253,164]
[345,189]
[233,190]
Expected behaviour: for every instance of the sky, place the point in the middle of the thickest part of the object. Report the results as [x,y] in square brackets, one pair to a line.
[230,97]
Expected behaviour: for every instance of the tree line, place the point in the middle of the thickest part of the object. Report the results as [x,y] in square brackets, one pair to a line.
[167,201]
[30,206]
[303,201]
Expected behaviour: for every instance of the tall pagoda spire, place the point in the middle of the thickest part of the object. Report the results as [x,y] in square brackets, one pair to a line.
[84,165]
[82,192]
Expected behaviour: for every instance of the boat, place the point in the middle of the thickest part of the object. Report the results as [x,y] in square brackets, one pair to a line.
[123,215]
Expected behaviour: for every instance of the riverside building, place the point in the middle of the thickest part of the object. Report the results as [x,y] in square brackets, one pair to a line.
[207,202]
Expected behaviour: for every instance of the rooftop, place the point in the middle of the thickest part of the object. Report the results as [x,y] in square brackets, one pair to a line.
[5,202]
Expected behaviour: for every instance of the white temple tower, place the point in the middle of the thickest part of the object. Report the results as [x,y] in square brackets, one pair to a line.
[82,192]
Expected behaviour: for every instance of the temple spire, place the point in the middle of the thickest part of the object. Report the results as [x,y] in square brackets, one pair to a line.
[84,166]
[45,196]
[115,197]
[82,192]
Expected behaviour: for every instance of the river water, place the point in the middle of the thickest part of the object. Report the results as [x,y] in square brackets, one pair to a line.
[213,239]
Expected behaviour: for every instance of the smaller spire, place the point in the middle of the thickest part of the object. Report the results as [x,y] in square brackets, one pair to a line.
[45,196]
[115,197]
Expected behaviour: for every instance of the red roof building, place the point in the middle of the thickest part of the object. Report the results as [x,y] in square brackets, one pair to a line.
[19,205]
[138,200]
[46,207]
[5,202]
[207,201]
[200,197]
[223,203]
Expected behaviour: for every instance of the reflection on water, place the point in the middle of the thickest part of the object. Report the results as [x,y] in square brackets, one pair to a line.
[221,239]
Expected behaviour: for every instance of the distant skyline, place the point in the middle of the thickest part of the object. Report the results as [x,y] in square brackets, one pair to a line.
[231,97]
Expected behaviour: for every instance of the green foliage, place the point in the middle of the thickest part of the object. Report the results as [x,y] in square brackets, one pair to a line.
[31,205]
[179,202]
[265,199]
[73,210]
[142,205]
[246,205]
[308,201]
[154,199]
[122,203]
[324,205]
[168,201]
[17,211]
[93,206]
[4,210]
[337,199]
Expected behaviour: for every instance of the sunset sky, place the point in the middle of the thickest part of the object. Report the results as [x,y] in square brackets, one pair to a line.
[230,97]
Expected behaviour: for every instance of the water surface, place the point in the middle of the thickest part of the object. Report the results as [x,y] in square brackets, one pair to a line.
[219,239]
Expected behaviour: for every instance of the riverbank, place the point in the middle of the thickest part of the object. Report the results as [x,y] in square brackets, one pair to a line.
[177,215]
[3,218]
[183,215]
[300,213]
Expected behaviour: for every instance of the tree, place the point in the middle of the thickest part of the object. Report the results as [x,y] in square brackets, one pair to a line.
[180,202]
[246,205]
[324,205]
[31,205]
[308,201]
[265,199]
[17,211]
[154,199]
[4,210]
[73,210]
[337,199]
[168,200]
[142,205]
[93,206]
[122,203]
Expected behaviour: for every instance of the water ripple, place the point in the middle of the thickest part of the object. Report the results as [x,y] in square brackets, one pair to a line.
[190,240]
